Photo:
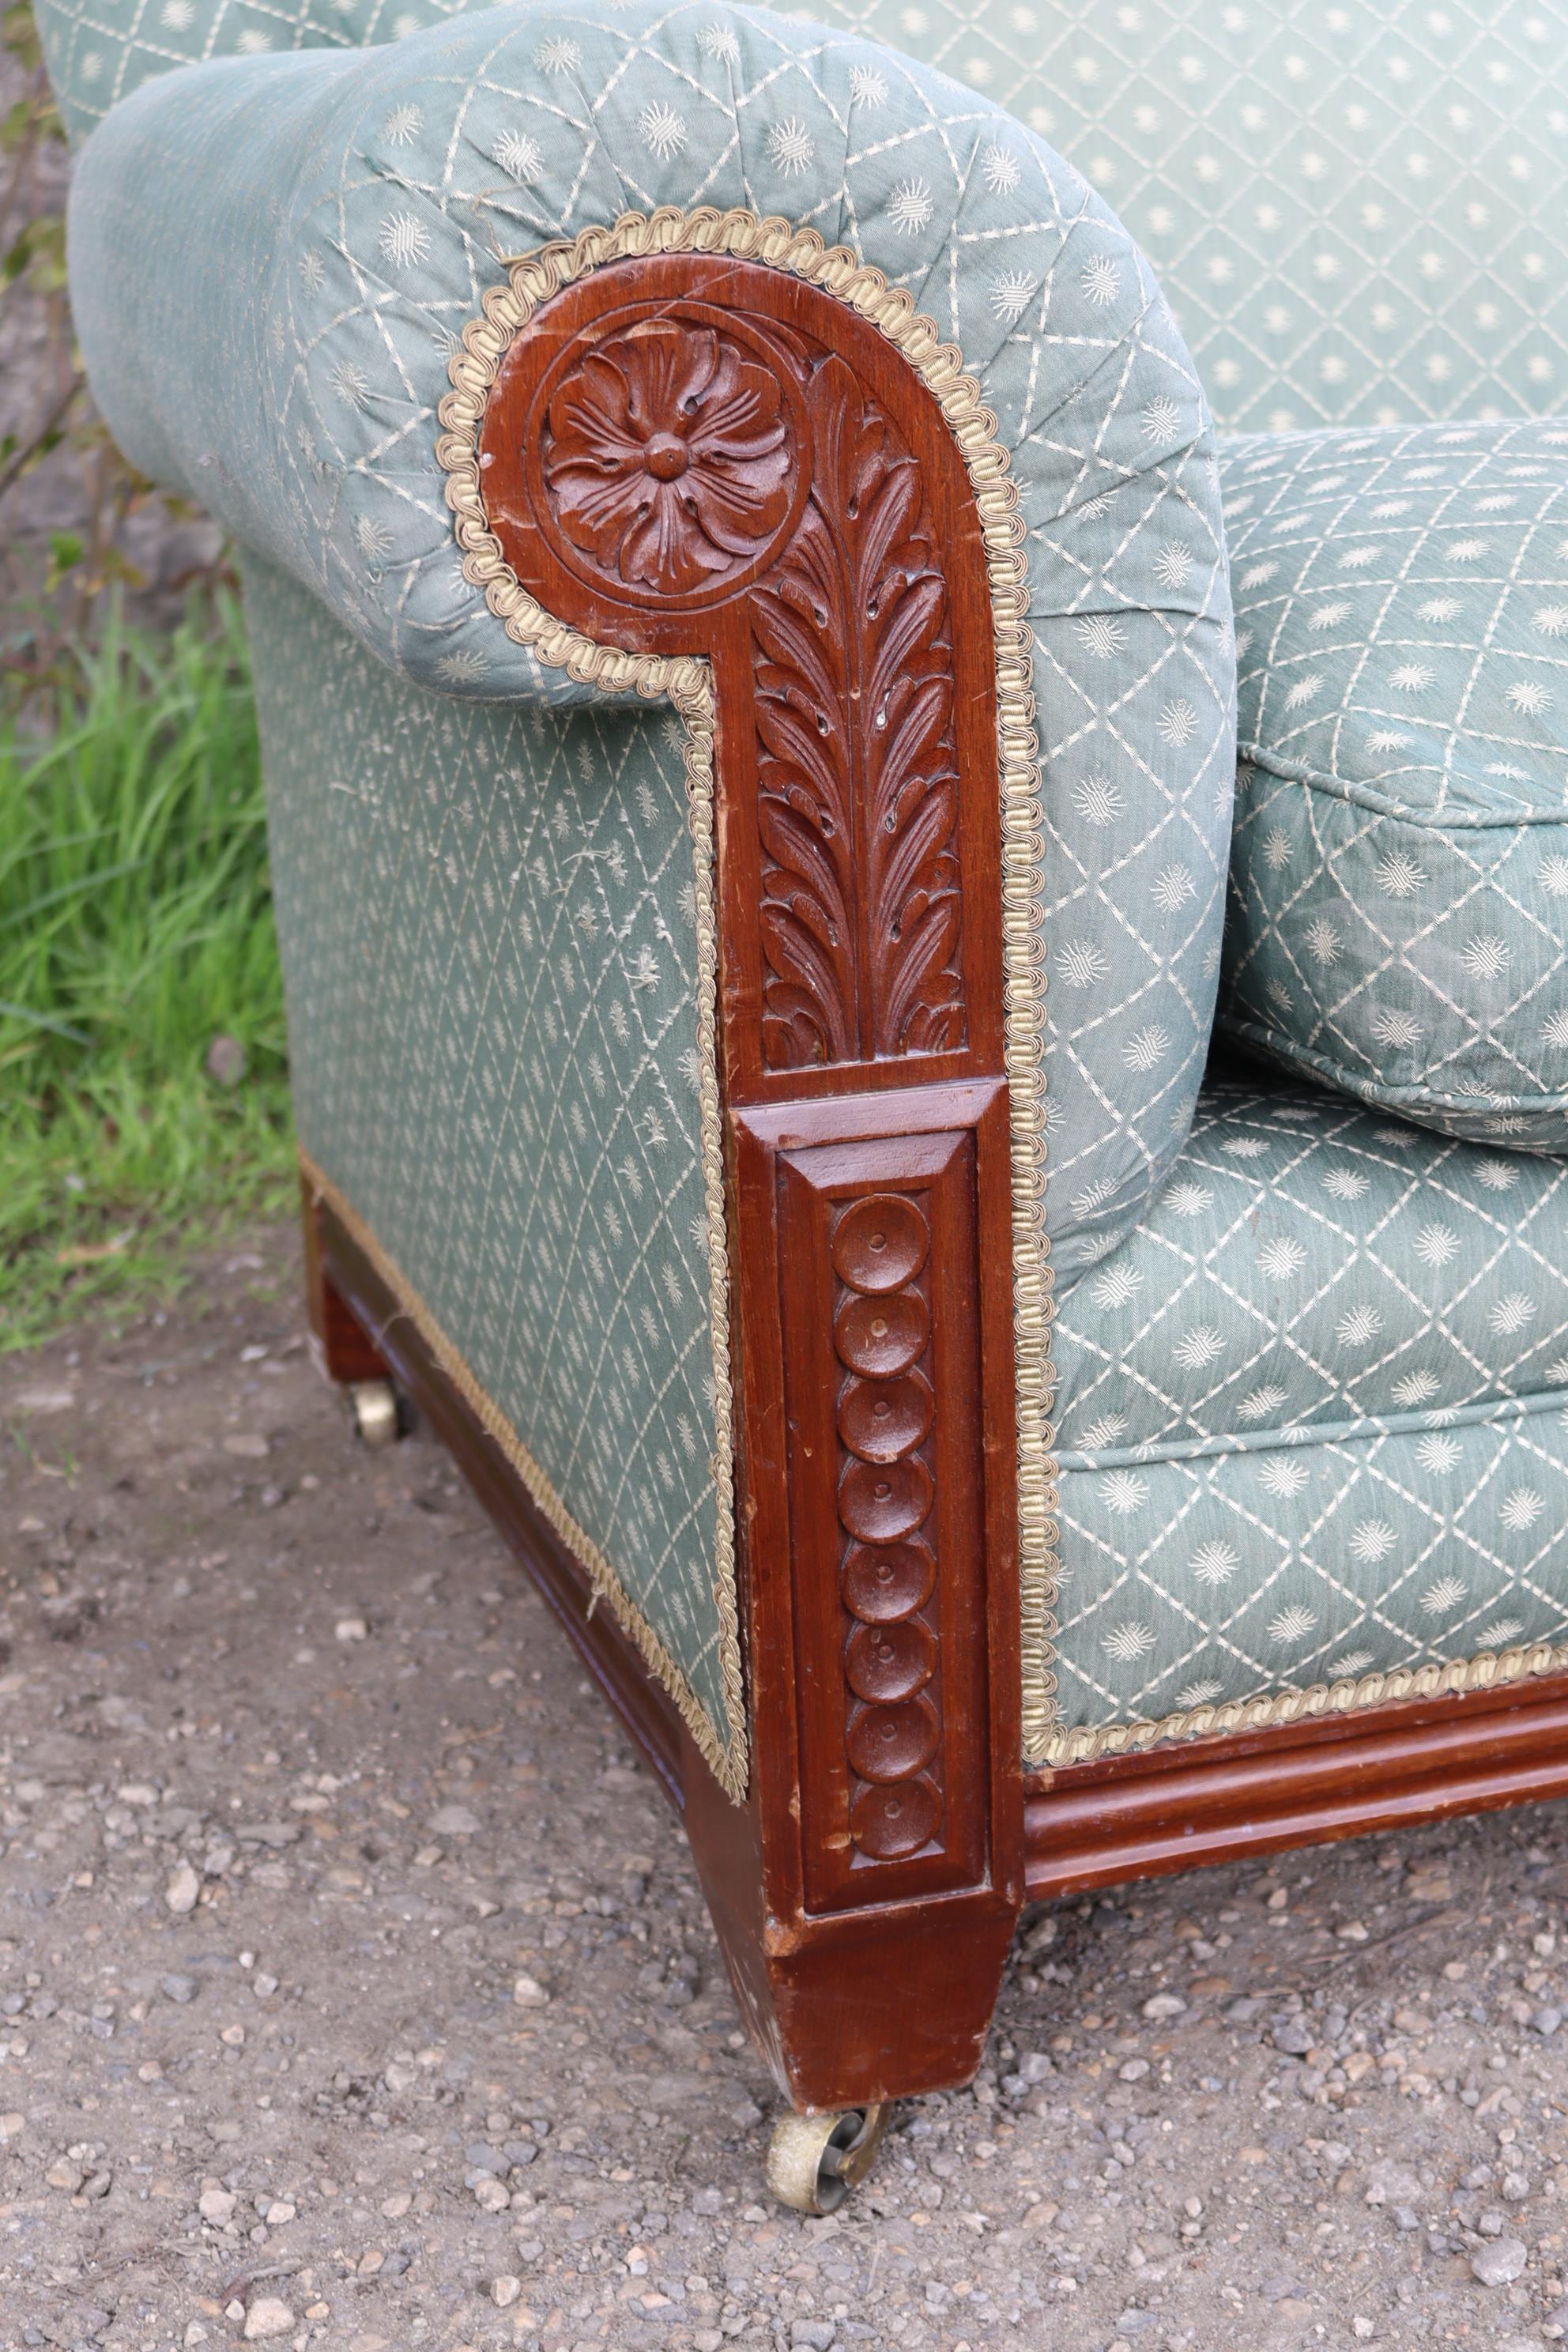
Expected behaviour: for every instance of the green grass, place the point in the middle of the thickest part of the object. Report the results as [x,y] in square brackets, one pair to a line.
[135,927]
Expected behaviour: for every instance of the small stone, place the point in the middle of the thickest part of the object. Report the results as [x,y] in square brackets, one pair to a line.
[248,1448]
[216,2205]
[280,2212]
[393,2208]
[351,1628]
[528,1992]
[1133,2071]
[813,2335]
[267,2317]
[490,2196]
[11,2124]
[1363,2329]
[1163,2005]
[1546,2020]
[182,1892]
[504,2291]
[225,1065]
[178,1989]
[1499,2263]
[1353,1932]
[455,1821]
[1294,2037]
[64,2175]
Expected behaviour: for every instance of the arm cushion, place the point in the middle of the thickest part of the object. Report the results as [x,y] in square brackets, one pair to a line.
[272,258]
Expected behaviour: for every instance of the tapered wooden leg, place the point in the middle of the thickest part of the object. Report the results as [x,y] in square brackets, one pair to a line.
[340,1344]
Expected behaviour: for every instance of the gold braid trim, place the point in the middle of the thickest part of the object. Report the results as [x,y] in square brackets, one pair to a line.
[1482,1672]
[532,279]
[726,1761]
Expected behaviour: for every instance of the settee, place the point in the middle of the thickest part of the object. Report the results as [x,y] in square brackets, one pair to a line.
[1000,1251]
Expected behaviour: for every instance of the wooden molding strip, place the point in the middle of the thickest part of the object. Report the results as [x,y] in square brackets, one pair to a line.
[1262,1792]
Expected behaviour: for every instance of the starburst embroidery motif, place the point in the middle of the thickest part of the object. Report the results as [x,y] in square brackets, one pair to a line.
[1178,722]
[1511,1313]
[1441,1598]
[720,41]
[1521,1509]
[1186,1199]
[1277,849]
[1436,1245]
[1262,1402]
[1001,169]
[1292,1624]
[1102,634]
[402,125]
[867,86]
[1161,419]
[909,207]
[1551,620]
[1358,1325]
[1412,678]
[1117,1285]
[1438,609]
[521,157]
[1081,965]
[1198,1349]
[1282,1257]
[1097,802]
[1147,1048]
[1215,1562]
[350,384]
[1346,1183]
[1011,293]
[1372,1540]
[791,147]
[1304,690]
[312,270]
[1100,280]
[404,240]
[1123,1492]
[1323,940]
[1173,564]
[661,130]
[557,55]
[1173,885]
[1437,1454]
[1485,956]
[1283,1477]
[1397,1029]
[1398,875]
[1554,876]
[1129,1642]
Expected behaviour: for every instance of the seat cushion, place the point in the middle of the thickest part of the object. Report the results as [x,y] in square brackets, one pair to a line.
[1312,1420]
[1398,916]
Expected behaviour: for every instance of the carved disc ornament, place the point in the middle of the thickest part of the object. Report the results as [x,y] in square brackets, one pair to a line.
[667,455]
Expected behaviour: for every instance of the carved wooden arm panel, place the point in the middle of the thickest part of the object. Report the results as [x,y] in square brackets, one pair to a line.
[688,454]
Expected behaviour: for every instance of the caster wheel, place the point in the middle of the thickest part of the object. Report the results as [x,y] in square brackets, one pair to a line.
[813,2161]
[374,1404]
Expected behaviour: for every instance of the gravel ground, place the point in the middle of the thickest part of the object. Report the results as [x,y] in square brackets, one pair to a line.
[355,1990]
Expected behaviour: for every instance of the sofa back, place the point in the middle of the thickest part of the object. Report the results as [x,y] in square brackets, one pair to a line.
[1358,212]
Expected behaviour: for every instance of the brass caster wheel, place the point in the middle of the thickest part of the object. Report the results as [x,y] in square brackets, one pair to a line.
[813,2161]
[374,1404]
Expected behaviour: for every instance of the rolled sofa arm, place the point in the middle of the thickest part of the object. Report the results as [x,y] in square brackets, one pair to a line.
[273,260]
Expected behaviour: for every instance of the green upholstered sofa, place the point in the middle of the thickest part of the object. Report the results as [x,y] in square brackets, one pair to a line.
[758,532]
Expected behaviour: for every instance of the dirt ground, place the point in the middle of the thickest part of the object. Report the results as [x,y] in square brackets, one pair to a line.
[355,1991]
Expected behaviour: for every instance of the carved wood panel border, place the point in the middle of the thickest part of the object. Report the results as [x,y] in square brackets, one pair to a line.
[695,455]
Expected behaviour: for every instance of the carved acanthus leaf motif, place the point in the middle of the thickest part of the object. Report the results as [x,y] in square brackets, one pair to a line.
[858,773]
[667,455]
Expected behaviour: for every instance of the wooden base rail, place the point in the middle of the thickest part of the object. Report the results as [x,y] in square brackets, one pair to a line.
[1218,1799]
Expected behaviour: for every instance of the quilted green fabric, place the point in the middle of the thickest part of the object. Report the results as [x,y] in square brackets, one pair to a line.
[1398,920]
[1357,211]
[486,921]
[1315,1413]
[270,259]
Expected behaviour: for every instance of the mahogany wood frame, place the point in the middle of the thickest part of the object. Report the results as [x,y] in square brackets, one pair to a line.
[693,455]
